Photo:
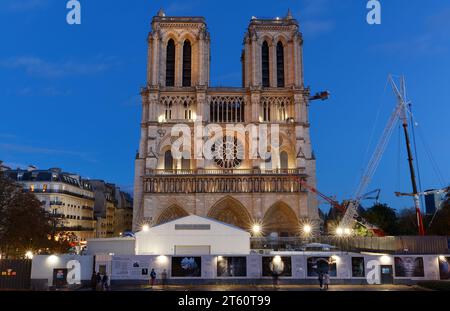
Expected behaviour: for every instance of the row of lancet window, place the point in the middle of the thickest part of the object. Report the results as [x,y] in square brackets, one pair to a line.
[170,63]
[265,63]
[226,109]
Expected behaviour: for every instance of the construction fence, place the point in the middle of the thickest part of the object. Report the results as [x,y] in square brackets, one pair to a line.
[389,244]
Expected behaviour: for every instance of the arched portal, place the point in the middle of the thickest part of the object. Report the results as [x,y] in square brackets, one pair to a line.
[171,213]
[231,211]
[281,220]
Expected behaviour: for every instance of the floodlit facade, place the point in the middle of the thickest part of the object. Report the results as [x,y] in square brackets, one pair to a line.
[68,197]
[232,186]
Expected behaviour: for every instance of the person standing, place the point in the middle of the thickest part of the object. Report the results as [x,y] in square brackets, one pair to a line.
[152,278]
[94,281]
[99,282]
[275,276]
[321,279]
[326,280]
[164,278]
[105,282]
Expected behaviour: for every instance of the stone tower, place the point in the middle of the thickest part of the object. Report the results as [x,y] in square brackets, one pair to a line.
[240,191]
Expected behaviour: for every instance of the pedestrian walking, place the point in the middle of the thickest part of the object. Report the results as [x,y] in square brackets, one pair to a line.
[321,280]
[164,278]
[99,286]
[105,282]
[152,278]
[326,280]
[94,281]
[275,276]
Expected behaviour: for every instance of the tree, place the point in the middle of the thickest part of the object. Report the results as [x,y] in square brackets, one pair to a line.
[407,222]
[24,224]
[382,216]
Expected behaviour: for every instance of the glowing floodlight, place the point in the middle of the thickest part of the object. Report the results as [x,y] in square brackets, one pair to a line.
[256,228]
[307,229]
[145,228]
[29,255]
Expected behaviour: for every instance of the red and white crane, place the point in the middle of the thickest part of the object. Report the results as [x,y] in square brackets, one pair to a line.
[400,113]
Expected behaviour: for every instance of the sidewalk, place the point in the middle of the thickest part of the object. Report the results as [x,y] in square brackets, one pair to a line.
[265,288]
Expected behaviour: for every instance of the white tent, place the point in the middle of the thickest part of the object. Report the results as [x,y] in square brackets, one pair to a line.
[193,235]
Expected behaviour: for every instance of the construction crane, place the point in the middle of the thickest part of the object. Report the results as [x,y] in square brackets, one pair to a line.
[343,207]
[438,191]
[400,113]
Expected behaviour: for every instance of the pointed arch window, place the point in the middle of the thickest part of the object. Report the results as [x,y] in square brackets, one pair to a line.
[168,160]
[265,65]
[187,63]
[170,63]
[168,111]
[280,64]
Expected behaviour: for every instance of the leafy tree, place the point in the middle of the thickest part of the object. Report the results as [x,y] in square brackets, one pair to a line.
[407,222]
[24,224]
[382,216]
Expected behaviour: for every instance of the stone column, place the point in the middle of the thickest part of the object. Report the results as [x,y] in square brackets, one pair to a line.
[178,64]
[155,67]
[298,102]
[273,64]
[247,64]
[149,58]
[300,59]
[255,106]
[256,64]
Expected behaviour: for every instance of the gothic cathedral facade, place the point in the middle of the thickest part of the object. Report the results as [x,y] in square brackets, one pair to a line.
[240,191]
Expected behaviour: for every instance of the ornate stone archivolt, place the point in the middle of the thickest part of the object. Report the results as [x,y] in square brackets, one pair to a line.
[281,219]
[231,211]
[170,213]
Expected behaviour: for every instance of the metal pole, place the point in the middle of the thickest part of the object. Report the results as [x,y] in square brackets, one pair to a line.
[413,179]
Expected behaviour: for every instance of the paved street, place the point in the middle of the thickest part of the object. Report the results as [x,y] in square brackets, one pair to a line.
[268,288]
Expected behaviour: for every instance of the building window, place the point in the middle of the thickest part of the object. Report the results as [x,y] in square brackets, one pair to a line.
[44,188]
[32,188]
[187,111]
[280,65]
[168,111]
[170,63]
[265,65]
[187,51]
[229,109]
[168,160]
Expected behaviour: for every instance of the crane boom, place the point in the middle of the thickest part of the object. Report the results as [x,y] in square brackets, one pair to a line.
[351,214]
[400,113]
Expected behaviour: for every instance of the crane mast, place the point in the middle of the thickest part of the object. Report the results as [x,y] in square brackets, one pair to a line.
[351,215]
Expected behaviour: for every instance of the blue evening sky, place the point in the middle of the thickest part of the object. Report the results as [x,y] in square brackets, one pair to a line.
[69,94]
